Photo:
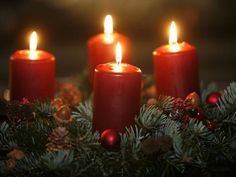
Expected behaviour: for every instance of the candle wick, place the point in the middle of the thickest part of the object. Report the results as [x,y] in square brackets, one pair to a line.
[174,46]
[118,63]
[173,43]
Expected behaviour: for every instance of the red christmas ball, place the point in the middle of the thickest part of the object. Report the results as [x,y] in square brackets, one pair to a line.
[110,139]
[213,98]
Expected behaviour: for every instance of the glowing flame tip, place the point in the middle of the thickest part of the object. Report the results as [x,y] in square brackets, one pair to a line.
[108,24]
[33,41]
[173,34]
[118,53]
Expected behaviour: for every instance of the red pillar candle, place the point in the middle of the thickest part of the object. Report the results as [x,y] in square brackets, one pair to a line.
[32,73]
[117,91]
[176,67]
[101,47]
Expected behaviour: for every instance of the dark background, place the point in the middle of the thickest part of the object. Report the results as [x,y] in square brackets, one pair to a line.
[64,27]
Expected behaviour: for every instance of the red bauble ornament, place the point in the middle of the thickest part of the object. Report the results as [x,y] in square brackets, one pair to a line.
[213,98]
[110,139]
[200,114]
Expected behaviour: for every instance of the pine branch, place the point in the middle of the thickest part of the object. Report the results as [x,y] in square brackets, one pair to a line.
[133,137]
[31,162]
[84,111]
[7,140]
[227,102]
[148,117]
[57,160]
[229,122]
[195,146]
[43,108]
[165,103]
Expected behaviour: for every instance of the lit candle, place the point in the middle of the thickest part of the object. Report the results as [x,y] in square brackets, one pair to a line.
[117,91]
[32,73]
[176,67]
[101,47]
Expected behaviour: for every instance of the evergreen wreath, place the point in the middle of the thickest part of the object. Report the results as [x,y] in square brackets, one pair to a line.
[168,139]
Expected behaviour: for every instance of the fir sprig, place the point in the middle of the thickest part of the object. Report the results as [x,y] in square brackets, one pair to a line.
[194,147]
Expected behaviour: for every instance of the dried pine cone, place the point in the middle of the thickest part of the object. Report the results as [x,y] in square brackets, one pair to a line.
[192,100]
[16,154]
[13,156]
[59,140]
[158,145]
[56,103]
[70,95]
[10,163]
[17,112]
[63,114]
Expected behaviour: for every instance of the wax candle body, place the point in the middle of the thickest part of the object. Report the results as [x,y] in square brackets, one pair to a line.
[116,96]
[101,51]
[176,73]
[32,78]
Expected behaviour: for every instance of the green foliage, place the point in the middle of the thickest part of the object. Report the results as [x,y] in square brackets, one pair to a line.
[227,102]
[194,147]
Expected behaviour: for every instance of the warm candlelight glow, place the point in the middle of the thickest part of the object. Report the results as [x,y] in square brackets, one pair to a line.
[118,56]
[173,42]
[33,45]
[108,28]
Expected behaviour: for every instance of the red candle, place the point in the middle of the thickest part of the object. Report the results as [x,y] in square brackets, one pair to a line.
[117,91]
[32,73]
[176,67]
[102,46]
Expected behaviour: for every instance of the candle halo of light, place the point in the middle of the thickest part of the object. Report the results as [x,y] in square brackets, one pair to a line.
[33,45]
[118,56]
[108,28]
[173,39]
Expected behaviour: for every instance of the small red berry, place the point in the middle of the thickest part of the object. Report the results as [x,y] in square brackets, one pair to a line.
[210,125]
[185,119]
[183,126]
[200,115]
[213,98]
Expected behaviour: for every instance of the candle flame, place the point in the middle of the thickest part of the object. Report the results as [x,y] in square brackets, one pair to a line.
[108,28]
[33,45]
[173,42]
[33,41]
[173,34]
[118,53]
[118,56]
[108,25]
